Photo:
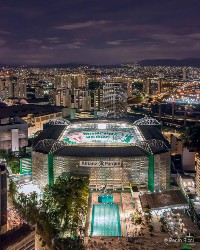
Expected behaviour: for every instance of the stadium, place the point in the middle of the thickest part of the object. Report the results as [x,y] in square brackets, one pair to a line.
[112,152]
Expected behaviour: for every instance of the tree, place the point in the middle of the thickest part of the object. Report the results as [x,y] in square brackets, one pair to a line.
[94,85]
[138,220]
[191,137]
[162,229]
[62,208]
[32,210]
[11,161]
[14,165]
[151,229]
[3,155]
[146,208]
[13,190]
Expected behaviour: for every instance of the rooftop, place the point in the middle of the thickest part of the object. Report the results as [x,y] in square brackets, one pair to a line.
[14,236]
[12,121]
[168,198]
[101,151]
[25,109]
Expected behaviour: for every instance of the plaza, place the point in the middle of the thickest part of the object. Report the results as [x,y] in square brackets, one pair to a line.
[137,230]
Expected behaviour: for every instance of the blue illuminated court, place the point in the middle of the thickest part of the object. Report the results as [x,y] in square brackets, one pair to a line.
[105,198]
[105,220]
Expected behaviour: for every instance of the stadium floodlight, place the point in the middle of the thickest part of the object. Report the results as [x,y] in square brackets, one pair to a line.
[102,126]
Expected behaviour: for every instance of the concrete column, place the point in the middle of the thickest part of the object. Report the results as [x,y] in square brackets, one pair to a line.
[185,118]
[159,86]
[159,114]
[173,107]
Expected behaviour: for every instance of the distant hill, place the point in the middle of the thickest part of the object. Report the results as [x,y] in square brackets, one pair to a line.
[193,62]
[186,62]
[67,65]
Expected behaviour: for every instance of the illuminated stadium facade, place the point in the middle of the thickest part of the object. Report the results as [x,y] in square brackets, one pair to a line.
[112,152]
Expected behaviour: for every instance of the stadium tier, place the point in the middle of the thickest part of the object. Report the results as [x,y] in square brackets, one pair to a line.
[112,152]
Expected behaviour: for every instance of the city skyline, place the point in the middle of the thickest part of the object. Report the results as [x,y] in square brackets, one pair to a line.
[97,32]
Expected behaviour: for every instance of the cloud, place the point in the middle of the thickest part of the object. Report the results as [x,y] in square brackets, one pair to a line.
[195,35]
[83,25]
[122,42]
[34,41]
[52,39]
[2,42]
[115,42]
[3,32]
[183,39]
[45,47]
[74,45]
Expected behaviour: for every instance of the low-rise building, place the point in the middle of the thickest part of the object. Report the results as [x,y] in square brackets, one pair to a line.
[34,115]
[18,239]
[13,132]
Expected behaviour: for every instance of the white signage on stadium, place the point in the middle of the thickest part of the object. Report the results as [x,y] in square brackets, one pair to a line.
[100,164]
[101,137]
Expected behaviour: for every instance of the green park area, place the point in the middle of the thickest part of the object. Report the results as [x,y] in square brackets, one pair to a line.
[60,214]
[10,160]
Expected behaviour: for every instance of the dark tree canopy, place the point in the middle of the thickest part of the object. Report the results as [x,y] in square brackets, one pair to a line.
[191,137]
[94,85]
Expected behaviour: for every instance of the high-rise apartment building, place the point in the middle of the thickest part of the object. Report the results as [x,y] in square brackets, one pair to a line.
[39,92]
[82,99]
[62,97]
[96,98]
[146,86]
[20,89]
[152,86]
[184,74]
[6,88]
[3,199]
[71,81]
[160,86]
[115,99]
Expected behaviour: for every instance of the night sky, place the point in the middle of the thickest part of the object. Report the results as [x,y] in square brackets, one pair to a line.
[98,32]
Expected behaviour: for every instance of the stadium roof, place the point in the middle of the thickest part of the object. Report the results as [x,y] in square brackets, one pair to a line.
[50,132]
[79,151]
[48,141]
[152,132]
